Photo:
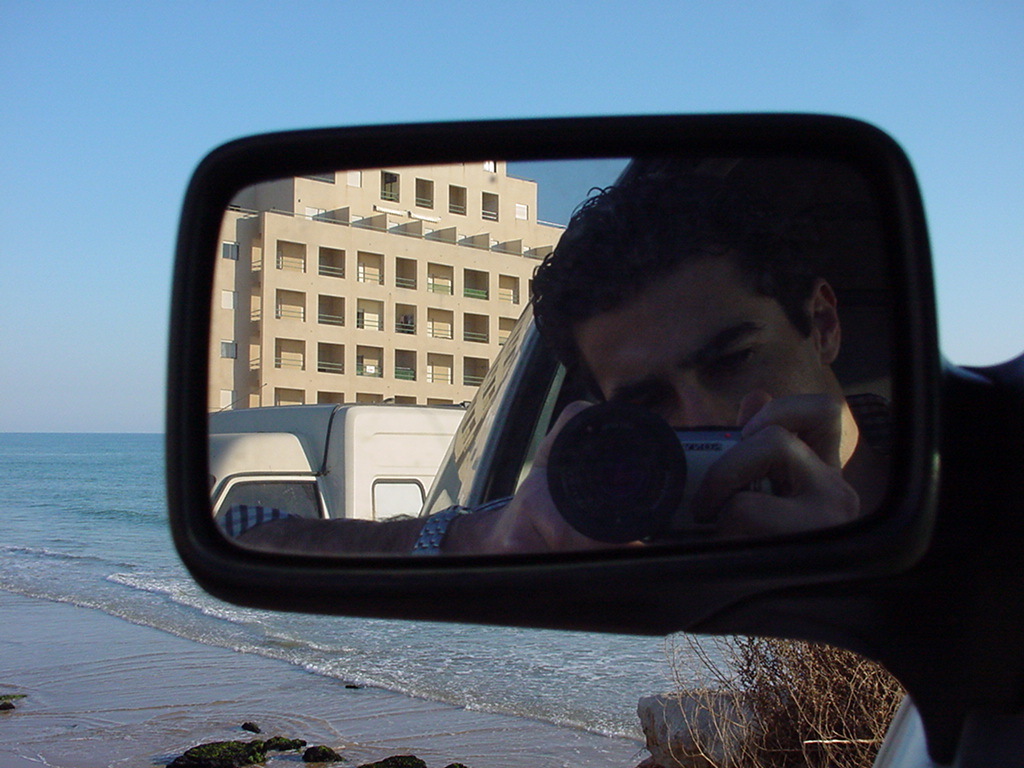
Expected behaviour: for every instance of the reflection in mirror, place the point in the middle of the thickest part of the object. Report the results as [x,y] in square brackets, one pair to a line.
[376,329]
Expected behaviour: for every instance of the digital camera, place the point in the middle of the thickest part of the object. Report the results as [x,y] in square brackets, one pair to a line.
[618,473]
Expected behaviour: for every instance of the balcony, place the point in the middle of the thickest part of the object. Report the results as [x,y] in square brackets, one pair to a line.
[325,318]
[437,375]
[292,313]
[328,366]
[373,370]
[474,336]
[439,330]
[471,380]
[439,286]
[475,293]
[405,326]
[291,360]
[405,374]
[405,282]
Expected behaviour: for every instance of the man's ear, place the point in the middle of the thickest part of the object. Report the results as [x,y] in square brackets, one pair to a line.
[825,322]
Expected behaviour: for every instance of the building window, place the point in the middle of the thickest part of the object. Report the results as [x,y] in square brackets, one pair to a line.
[389,186]
[229,350]
[229,251]
[330,358]
[405,273]
[227,398]
[490,206]
[284,396]
[228,299]
[370,267]
[490,166]
[457,200]
[355,178]
[330,310]
[405,318]
[405,365]
[522,212]
[473,371]
[424,193]
[332,262]
[475,284]
[326,177]
[291,256]
[370,315]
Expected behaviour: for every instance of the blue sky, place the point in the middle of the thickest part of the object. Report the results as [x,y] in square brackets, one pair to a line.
[105,108]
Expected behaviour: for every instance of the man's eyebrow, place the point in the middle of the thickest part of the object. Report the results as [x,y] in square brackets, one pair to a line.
[714,347]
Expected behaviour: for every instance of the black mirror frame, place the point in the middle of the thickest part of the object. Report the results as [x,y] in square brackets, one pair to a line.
[606,591]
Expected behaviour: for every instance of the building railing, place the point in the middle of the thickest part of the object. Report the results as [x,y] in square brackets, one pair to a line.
[475,293]
[474,336]
[503,337]
[329,270]
[370,275]
[508,295]
[401,327]
[438,331]
[329,366]
[372,323]
[472,380]
[405,282]
[325,318]
[291,263]
[370,369]
[256,315]
[459,208]
[436,375]
[405,374]
[439,286]
[290,360]
[292,313]
[490,215]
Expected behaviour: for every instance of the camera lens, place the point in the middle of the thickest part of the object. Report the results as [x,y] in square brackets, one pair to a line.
[616,473]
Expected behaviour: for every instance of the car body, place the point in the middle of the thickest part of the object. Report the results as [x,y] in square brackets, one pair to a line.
[930,586]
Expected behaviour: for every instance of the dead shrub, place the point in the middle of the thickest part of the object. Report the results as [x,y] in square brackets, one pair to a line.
[810,705]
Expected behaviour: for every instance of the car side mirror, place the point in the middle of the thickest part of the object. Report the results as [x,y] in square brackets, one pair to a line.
[339,295]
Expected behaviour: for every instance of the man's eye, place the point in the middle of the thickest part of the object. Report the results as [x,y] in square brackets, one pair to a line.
[731,362]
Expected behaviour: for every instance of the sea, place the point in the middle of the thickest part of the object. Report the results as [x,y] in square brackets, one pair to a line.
[84,522]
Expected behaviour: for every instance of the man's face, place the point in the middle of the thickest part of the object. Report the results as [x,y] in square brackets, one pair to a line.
[693,345]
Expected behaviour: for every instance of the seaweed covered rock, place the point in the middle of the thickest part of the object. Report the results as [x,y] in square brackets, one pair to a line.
[221,754]
[321,754]
[281,744]
[5,705]
[456,765]
[397,761]
[251,727]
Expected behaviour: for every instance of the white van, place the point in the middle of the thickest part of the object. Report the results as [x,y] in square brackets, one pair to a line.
[370,462]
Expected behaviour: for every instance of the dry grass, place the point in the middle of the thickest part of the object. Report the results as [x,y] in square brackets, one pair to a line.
[807,705]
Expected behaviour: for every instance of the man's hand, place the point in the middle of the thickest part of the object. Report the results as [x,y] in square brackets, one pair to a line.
[795,442]
[530,522]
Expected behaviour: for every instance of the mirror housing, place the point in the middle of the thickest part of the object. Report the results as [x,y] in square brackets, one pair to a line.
[642,590]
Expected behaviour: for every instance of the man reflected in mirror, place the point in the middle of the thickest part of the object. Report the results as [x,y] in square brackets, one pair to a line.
[689,296]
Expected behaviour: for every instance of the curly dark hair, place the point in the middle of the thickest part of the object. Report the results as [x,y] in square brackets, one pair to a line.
[626,237]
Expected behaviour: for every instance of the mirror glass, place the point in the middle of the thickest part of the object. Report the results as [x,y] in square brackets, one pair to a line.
[728,319]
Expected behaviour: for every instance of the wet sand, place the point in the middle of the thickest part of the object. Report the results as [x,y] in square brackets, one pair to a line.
[101,691]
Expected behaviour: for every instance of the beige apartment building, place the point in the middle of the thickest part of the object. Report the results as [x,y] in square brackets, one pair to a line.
[395,284]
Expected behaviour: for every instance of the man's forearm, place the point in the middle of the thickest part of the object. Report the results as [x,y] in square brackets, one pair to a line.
[340,536]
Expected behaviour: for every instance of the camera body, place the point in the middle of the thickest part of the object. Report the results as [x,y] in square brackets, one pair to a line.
[618,473]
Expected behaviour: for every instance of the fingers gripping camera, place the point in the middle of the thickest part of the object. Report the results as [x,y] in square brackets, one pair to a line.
[618,473]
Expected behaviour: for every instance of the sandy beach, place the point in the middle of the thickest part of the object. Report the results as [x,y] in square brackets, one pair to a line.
[100,691]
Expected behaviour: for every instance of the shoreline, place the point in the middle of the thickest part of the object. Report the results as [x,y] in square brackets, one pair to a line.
[104,691]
